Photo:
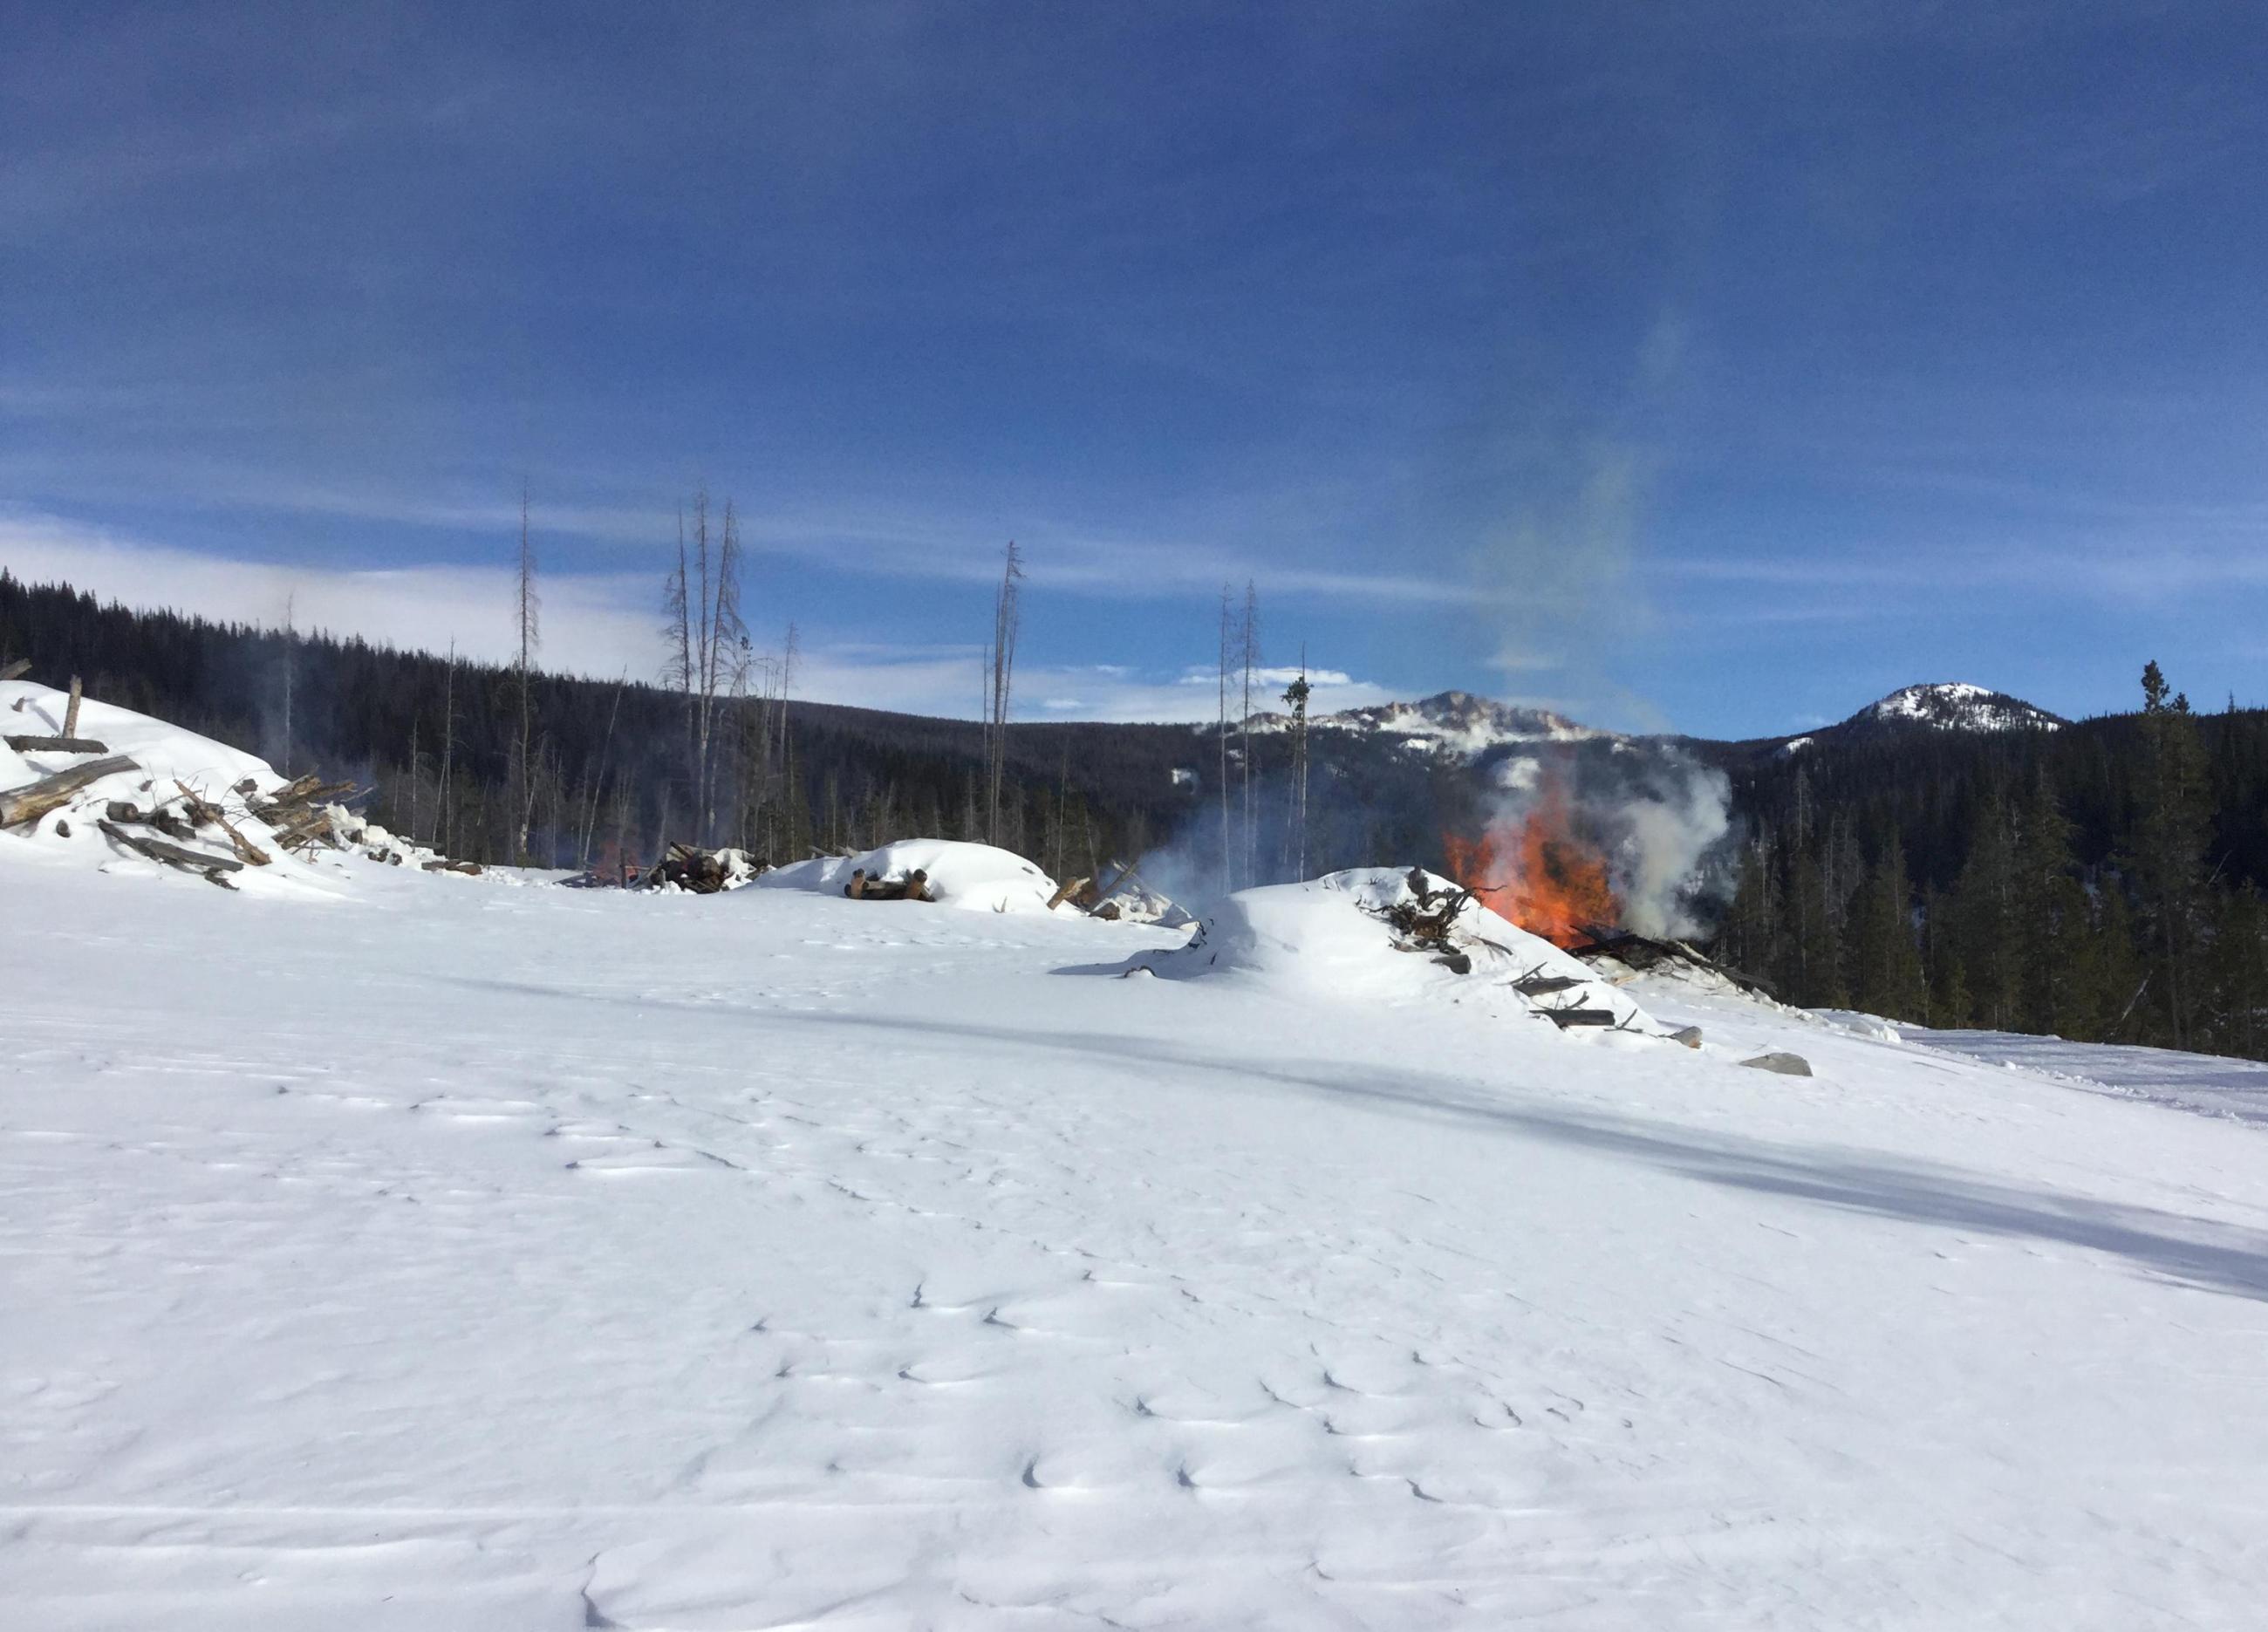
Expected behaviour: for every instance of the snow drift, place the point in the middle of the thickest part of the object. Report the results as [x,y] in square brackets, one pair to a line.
[979,877]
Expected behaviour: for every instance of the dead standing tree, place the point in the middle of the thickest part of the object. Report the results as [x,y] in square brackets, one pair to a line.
[708,656]
[1220,733]
[1000,669]
[1249,649]
[523,683]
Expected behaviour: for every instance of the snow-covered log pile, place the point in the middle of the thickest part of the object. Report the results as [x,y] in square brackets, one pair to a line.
[162,799]
[690,869]
[954,873]
[1389,935]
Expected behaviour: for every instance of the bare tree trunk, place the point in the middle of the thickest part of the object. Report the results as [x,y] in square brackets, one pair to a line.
[529,639]
[445,819]
[1250,643]
[290,662]
[1004,622]
[1227,849]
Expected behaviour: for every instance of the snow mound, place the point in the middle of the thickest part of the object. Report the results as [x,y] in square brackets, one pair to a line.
[1332,937]
[980,877]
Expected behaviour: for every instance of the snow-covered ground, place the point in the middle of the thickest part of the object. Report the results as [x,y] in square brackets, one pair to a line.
[441,1256]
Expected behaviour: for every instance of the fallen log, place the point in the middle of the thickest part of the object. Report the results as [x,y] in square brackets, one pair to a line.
[1544,985]
[55,745]
[214,869]
[1065,891]
[16,670]
[1564,1017]
[35,799]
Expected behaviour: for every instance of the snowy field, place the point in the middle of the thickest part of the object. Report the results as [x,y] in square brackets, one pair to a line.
[434,1255]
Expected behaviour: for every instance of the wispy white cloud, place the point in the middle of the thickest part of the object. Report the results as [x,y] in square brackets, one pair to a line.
[594,624]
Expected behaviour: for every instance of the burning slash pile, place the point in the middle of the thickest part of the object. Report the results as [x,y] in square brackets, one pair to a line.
[1452,946]
[1541,873]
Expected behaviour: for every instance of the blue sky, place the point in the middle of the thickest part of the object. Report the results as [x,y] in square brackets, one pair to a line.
[1715,367]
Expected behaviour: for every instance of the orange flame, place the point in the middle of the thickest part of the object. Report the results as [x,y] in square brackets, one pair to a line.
[1537,873]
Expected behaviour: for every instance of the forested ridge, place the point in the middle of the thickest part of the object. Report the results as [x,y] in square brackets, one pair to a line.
[2103,881]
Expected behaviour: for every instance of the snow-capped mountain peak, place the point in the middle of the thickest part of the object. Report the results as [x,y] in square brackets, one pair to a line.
[1459,722]
[1955,706]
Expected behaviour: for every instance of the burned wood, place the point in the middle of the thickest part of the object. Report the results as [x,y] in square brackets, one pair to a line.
[1544,985]
[35,799]
[1643,953]
[55,745]
[214,869]
[470,869]
[1565,1017]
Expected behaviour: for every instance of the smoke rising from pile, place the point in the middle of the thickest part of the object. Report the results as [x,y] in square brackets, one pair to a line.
[1659,818]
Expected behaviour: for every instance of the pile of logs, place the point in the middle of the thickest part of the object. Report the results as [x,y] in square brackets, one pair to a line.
[913,887]
[301,810]
[1639,954]
[700,871]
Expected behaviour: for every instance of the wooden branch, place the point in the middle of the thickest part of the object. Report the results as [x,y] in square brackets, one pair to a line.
[1544,985]
[55,745]
[1065,891]
[16,670]
[70,713]
[35,799]
[201,812]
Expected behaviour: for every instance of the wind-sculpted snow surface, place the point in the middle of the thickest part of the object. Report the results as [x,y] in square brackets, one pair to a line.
[453,1258]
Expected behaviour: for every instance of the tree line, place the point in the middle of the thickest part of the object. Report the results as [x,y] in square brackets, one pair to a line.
[2102,882]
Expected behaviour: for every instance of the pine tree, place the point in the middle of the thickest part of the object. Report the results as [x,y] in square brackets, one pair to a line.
[1886,963]
[1985,914]
[2169,844]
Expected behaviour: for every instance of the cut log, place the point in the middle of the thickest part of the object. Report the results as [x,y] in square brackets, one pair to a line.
[16,670]
[214,868]
[55,745]
[35,799]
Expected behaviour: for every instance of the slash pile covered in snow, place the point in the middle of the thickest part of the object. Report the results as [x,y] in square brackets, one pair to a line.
[150,796]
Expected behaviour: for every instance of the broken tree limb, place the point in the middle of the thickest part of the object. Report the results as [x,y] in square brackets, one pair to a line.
[55,745]
[35,799]
[70,711]
[214,868]
[16,670]
[202,811]
[1065,891]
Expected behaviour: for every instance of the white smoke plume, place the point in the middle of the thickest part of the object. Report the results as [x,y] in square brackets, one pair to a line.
[1659,817]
